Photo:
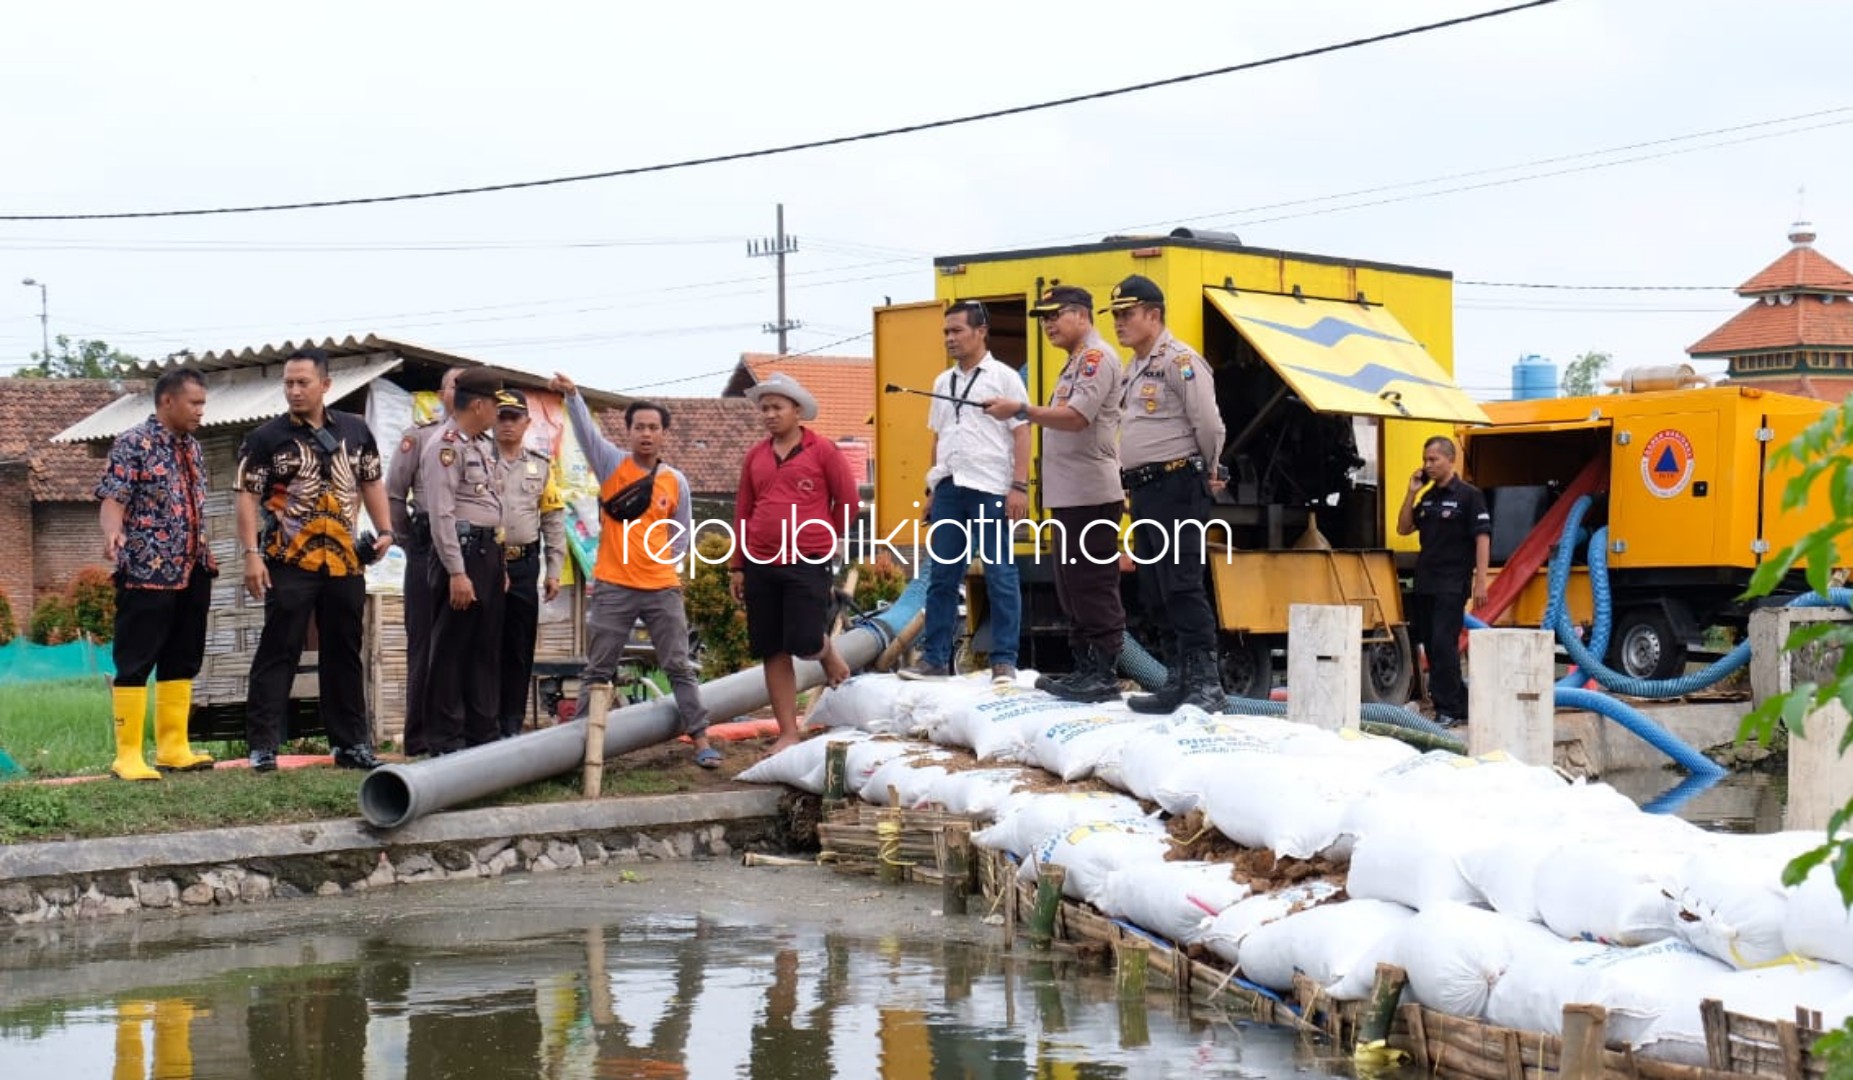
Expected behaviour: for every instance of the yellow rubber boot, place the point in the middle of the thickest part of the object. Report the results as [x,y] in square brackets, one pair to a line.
[131,1056]
[173,1040]
[131,704]
[173,704]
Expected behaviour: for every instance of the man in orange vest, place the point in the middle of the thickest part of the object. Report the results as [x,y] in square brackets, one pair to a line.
[644,528]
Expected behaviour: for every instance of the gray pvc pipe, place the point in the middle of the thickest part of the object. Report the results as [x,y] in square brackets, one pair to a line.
[394,795]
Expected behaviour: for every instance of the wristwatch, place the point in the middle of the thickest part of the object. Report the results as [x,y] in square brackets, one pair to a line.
[1023,413]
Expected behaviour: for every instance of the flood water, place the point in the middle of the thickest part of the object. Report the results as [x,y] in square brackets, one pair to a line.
[697,970]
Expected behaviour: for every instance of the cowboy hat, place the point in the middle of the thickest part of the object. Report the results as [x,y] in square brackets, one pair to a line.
[786,387]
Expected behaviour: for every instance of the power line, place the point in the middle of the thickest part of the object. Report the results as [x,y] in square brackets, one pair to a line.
[814,144]
[712,374]
[1595,288]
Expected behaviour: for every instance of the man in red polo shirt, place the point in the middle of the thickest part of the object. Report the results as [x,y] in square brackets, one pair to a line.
[797,499]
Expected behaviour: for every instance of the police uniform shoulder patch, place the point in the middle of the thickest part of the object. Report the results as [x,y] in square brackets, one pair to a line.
[447,457]
[406,444]
[1185,368]
[1090,362]
[450,434]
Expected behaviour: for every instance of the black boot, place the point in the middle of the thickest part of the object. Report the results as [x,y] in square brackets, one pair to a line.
[1205,686]
[1167,698]
[1093,679]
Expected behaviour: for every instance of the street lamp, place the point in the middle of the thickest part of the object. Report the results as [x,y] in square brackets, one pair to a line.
[44,321]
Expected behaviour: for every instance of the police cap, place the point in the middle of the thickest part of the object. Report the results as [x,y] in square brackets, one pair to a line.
[510,400]
[1135,290]
[1057,297]
[479,381]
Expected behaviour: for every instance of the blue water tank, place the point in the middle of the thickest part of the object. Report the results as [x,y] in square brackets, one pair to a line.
[1533,377]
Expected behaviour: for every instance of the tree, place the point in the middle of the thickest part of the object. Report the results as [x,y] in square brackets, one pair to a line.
[82,359]
[1583,375]
[1824,454]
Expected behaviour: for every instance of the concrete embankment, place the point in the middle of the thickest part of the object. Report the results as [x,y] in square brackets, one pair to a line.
[197,871]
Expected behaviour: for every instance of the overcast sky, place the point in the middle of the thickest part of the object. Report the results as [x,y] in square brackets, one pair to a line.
[628,282]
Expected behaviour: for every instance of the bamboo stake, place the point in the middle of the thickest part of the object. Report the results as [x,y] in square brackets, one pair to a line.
[952,853]
[598,703]
[1385,994]
[1585,1030]
[836,774]
[1048,903]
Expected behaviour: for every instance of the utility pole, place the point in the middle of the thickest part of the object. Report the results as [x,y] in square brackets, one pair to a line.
[778,247]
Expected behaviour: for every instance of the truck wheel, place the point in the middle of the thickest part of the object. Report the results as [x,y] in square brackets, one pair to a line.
[1247,666]
[1642,645]
[1389,669]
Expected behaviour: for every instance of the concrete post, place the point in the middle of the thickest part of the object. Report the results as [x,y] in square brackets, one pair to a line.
[1325,664]
[1509,694]
[1820,781]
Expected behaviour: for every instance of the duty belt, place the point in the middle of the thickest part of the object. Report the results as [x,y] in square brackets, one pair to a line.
[472,537]
[518,552]
[1144,474]
[421,529]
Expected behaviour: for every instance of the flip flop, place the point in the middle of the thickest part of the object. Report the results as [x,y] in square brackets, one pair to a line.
[709,758]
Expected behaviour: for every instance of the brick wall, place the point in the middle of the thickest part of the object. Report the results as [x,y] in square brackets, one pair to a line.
[65,539]
[16,540]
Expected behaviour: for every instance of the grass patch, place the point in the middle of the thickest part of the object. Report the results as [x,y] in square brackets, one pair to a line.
[227,797]
[67,728]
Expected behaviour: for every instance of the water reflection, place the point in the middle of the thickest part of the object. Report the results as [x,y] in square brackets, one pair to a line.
[508,996]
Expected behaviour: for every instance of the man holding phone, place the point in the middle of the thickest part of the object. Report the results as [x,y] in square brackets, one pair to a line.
[1457,542]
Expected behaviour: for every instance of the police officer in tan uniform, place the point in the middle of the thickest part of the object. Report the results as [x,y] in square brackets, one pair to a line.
[460,486]
[532,511]
[1170,441]
[1081,488]
[412,527]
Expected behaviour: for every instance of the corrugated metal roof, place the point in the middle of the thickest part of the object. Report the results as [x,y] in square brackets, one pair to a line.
[258,356]
[233,396]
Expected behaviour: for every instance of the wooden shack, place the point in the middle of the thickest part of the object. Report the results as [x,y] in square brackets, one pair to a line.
[377,378]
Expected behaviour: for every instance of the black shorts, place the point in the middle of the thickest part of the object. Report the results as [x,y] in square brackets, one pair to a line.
[787,609]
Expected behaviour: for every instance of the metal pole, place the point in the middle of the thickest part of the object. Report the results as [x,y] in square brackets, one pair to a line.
[783,326]
[44,321]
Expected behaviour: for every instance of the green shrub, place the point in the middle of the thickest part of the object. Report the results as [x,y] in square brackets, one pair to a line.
[27,808]
[93,603]
[713,612]
[879,582]
[8,629]
[53,621]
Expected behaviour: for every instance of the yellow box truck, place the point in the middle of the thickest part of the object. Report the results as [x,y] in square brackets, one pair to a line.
[1324,368]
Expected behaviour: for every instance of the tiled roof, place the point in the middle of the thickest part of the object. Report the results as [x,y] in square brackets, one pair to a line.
[1808,321]
[1833,388]
[33,410]
[843,385]
[708,439]
[1801,267]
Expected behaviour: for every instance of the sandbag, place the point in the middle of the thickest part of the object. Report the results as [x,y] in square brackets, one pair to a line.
[864,757]
[1175,767]
[1774,993]
[1309,741]
[1544,974]
[1337,946]
[1025,822]
[1816,923]
[1497,774]
[1457,955]
[978,793]
[1091,851]
[1614,889]
[911,775]
[1505,874]
[1731,902]
[1173,900]
[869,702]
[1407,848]
[1291,805]
[800,766]
[1000,726]
[1652,996]
[1072,748]
[1225,933]
[925,706]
